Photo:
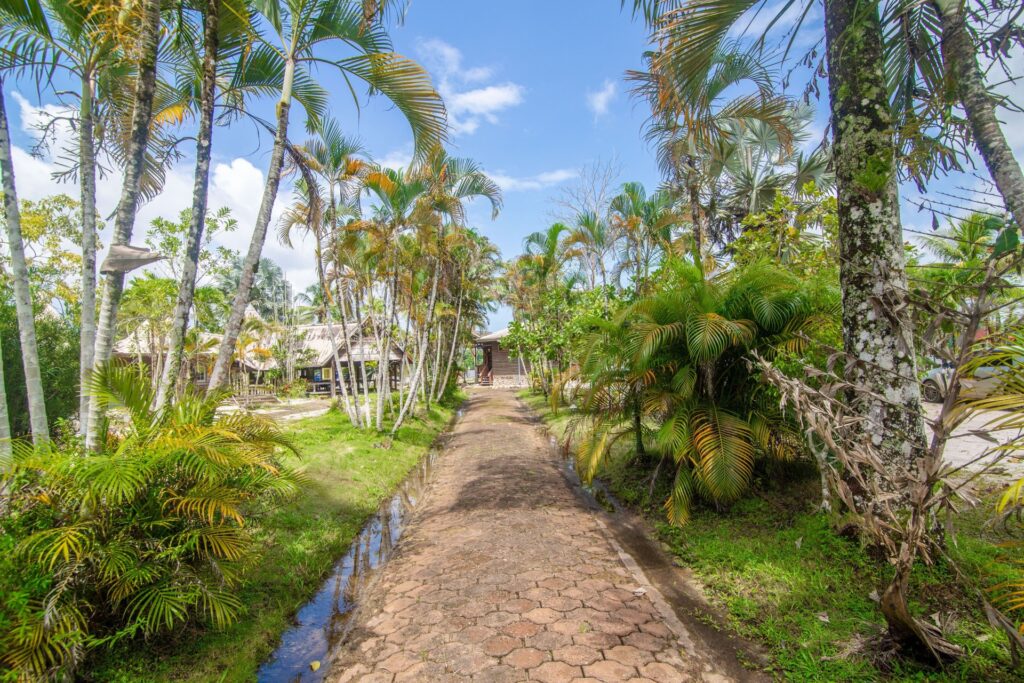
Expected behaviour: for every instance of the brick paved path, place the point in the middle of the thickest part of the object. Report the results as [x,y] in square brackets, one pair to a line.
[504,575]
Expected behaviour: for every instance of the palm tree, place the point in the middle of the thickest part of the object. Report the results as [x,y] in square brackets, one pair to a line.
[147,531]
[672,365]
[301,28]
[217,35]
[67,37]
[932,55]
[22,290]
[695,114]
[448,182]
[645,224]
[139,135]
[591,240]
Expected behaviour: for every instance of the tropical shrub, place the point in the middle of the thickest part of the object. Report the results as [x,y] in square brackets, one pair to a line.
[674,366]
[1006,404]
[58,362]
[140,538]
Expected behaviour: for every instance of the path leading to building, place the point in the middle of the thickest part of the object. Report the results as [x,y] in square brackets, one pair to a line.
[504,574]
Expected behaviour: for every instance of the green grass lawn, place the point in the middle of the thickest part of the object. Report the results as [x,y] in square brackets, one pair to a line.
[785,579]
[348,476]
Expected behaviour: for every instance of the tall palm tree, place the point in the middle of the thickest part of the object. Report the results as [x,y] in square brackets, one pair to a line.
[645,225]
[65,36]
[22,290]
[139,134]
[693,114]
[221,40]
[299,30]
[448,183]
[591,240]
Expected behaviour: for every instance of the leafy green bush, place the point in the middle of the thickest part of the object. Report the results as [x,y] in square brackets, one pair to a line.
[58,361]
[137,539]
[674,365]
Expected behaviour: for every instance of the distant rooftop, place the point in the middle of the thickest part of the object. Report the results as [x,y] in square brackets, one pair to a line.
[493,336]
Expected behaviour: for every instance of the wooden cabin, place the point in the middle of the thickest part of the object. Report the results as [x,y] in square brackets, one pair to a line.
[496,366]
[320,343]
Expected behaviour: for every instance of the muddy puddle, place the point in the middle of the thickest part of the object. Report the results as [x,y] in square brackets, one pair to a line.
[322,623]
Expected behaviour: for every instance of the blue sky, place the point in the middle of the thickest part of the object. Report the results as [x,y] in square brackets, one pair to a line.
[535,91]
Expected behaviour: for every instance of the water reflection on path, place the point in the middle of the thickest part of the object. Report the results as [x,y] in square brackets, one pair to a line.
[323,621]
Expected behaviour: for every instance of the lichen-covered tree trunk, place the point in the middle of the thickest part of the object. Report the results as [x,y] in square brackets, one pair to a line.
[959,57]
[22,289]
[877,329]
[87,174]
[124,222]
[200,193]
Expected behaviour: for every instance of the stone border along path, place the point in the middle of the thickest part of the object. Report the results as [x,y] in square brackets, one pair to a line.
[505,575]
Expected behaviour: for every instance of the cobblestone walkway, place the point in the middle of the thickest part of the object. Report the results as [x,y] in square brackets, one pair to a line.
[504,575]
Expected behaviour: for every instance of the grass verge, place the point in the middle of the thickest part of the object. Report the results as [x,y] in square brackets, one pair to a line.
[784,578]
[348,476]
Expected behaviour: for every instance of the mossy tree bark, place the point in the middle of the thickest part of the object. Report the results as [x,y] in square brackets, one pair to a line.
[877,329]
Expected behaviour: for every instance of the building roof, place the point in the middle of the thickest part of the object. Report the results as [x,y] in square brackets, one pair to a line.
[314,342]
[316,339]
[493,336]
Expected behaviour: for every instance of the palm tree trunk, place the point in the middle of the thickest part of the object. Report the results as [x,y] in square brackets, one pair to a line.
[418,374]
[451,352]
[87,311]
[362,358]
[959,56]
[347,336]
[113,283]
[5,422]
[352,416]
[259,234]
[22,288]
[200,193]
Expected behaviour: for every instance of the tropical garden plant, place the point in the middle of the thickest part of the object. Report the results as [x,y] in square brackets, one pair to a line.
[672,369]
[150,532]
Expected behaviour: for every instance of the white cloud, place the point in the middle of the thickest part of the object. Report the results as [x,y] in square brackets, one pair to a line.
[236,184]
[599,100]
[468,107]
[396,158]
[535,182]
[754,22]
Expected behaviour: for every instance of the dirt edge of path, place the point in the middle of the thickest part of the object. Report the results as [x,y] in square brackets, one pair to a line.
[682,595]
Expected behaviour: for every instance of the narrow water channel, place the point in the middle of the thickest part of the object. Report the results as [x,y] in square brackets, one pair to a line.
[323,622]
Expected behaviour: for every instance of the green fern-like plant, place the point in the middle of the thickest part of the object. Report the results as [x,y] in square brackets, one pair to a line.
[141,537]
[673,366]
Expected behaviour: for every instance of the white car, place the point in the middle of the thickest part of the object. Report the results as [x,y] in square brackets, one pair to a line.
[935,383]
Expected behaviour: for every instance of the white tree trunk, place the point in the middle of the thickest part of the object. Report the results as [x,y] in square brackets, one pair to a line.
[124,222]
[87,316]
[200,193]
[259,235]
[22,288]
